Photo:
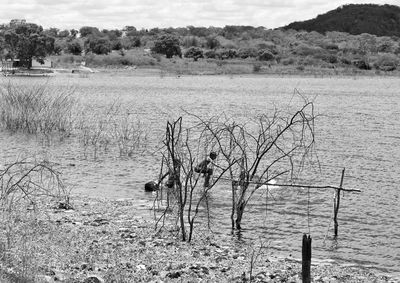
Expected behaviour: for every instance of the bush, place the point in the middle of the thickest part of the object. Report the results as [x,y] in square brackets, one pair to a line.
[361,64]
[167,44]
[210,54]
[265,55]
[332,59]
[224,54]
[345,61]
[194,52]
[386,62]
[212,42]
[288,61]
[306,50]
[331,46]
[247,53]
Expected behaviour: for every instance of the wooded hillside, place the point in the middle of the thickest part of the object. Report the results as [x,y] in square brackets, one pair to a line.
[380,20]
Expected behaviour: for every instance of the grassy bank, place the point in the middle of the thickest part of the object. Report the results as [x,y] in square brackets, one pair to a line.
[106,241]
[137,59]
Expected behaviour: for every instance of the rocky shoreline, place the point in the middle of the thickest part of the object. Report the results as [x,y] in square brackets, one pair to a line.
[102,240]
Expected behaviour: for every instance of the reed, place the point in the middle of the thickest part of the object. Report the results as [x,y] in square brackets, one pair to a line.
[111,129]
[36,109]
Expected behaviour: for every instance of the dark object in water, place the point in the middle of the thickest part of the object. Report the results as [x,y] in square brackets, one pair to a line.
[151,186]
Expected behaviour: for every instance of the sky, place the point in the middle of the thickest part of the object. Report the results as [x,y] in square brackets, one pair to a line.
[112,14]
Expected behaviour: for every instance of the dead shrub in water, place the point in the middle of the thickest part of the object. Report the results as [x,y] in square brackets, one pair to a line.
[187,194]
[257,151]
[37,109]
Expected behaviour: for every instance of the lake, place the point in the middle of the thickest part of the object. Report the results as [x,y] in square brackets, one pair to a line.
[358,129]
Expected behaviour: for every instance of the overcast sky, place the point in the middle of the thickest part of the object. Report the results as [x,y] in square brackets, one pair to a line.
[167,13]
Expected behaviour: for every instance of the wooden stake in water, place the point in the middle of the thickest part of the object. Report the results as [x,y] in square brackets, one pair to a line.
[306,259]
[336,203]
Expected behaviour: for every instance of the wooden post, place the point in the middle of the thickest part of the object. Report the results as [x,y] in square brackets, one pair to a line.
[306,259]
[336,203]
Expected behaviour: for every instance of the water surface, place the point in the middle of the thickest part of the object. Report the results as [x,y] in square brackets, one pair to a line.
[358,129]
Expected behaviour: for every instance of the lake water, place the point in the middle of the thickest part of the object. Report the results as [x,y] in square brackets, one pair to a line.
[358,129]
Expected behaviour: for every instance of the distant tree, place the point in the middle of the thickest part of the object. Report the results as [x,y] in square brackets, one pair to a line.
[212,42]
[130,31]
[194,52]
[64,33]
[87,31]
[53,32]
[198,31]
[27,41]
[129,42]
[97,45]
[75,47]
[167,44]
[59,46]
[265,55]
[247,53]
[210,54]
[73,33]
[112,34]
[224,54]
[116,44]
[189,41]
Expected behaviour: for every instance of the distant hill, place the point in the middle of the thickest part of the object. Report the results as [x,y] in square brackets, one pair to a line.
[381,20]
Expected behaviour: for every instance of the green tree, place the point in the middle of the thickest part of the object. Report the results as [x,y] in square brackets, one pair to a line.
[73,33]
[98,45]
[87,31]
[64,33]
[75,47]
[167,44]
[27,41]
[194,52]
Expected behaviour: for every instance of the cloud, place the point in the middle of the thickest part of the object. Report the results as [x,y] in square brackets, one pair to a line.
[165,13]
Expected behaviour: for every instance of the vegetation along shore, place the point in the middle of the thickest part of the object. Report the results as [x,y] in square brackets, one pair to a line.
[296,48]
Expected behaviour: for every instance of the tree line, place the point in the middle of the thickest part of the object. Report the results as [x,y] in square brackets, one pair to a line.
[27,41]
